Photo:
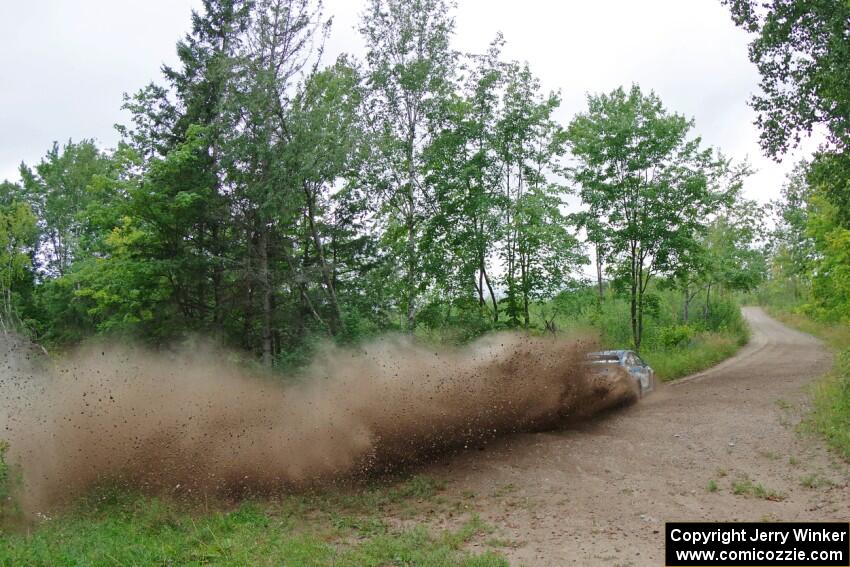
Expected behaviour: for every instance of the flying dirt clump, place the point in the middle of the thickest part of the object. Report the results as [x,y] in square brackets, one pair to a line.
[196,422]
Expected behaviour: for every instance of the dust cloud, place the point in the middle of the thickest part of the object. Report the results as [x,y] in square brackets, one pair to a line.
[194,422]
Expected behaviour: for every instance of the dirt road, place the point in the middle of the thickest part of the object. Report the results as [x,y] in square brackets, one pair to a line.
[599,494]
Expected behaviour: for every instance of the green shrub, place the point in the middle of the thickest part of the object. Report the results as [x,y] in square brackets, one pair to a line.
[676,336]
[705,350]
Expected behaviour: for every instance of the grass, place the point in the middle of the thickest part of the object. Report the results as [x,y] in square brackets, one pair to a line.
[835,335]
[341,528]
[831,400]
[9,480]
[672,348]
[815,481]
[703,352]
[746,487]
[712,486]
[336,528]
[831,394]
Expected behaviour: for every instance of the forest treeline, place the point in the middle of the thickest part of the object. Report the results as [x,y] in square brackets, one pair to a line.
[802,51]
[267,198]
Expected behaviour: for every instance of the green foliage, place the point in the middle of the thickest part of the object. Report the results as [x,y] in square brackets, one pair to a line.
[831,394]
[732,256]
[122,291]
[704,351]
[457,322]
[811,263]
[410,69]
[672,348]
[792,247]
[676,336]
[831,279]
[832,405]
[801,51]
[649,186]
[275,203]
[17,237]
[63,190]
[538,251]
[116,527]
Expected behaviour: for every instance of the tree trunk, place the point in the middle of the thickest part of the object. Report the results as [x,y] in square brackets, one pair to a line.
[265,283]
[479,288]
[599,273]
[634,300]
[411,272]
[411,230]
[327,276]
[639,336]
[492,295]
[523,260]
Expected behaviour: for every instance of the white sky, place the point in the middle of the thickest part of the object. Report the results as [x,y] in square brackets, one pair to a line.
[65,64]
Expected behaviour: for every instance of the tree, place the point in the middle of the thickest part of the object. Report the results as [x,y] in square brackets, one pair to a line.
[591,221]
[59,190]
[18,234]
[538,251]
[733,260]
[462,176]
[801,50]
[410,67]
[650,186]
[828,226]
[792,247]
[324,134]
[178,200]
[216,211]
[831,277]
[281,46]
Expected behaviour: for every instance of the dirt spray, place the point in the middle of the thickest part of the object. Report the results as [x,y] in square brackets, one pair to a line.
[195,422]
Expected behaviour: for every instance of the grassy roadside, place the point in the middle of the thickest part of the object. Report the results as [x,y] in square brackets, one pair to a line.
[344,527]
[672,347]
[831,394]
[341,528]
[703,351]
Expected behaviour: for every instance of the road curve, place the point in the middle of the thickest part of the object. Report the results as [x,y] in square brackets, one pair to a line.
[599,494]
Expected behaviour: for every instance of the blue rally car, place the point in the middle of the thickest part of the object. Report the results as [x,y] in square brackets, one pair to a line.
[628,361]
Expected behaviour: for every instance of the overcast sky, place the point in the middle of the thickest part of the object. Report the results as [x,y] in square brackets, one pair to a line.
[64,64]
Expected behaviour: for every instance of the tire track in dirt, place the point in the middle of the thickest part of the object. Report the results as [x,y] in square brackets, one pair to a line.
[599,494]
